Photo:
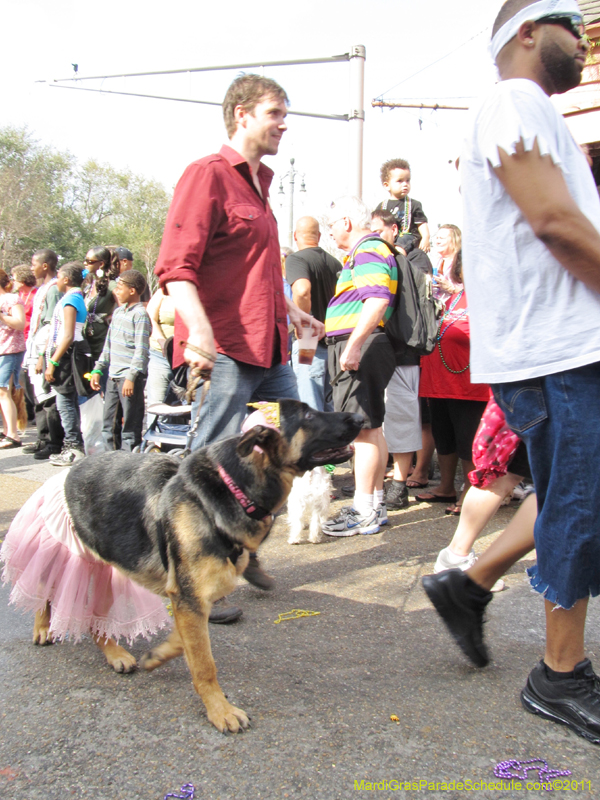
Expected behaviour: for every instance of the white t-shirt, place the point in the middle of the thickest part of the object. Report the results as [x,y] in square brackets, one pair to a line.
[529,316]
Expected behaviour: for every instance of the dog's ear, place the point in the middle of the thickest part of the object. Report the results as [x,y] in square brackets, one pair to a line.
[266,439]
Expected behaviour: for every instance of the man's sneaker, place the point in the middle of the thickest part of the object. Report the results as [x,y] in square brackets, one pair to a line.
[46,452]
[574,702]
[448,560]
[396,495]
[461,604]
[34,448]
[67,456]
[350,522]
[381,511]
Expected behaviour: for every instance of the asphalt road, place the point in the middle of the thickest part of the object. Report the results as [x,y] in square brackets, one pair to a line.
[320,690]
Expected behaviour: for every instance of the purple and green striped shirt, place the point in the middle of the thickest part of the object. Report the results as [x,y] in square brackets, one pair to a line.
[375,275]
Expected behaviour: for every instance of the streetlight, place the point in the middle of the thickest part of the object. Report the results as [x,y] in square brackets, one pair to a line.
[291,174]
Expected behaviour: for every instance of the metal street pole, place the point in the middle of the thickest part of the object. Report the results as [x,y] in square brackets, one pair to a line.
[356,117]
[291,174]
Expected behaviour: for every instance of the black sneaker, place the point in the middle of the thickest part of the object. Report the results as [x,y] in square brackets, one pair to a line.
[396,495]
[574,702]
[34,448]
[461,603]
[46,452]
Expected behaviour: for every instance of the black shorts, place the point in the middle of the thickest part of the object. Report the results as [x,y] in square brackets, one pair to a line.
[363,391]
[454,424]
[425,413]
[519,463]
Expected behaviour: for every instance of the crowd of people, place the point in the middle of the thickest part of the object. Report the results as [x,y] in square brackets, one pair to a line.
[515,352]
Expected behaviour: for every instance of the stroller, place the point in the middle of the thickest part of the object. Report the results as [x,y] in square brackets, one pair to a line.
[170,431]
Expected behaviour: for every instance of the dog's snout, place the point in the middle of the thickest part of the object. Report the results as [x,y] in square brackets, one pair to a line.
[358,419]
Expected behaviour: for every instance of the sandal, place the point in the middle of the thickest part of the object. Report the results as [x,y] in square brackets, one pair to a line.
[436,498]
[410,484]
[454,510]
[11,443]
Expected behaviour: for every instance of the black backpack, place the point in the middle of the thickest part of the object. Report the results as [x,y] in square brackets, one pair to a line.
[413,323]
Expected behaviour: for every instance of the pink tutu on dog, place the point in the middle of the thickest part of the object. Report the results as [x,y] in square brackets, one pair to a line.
[45,560]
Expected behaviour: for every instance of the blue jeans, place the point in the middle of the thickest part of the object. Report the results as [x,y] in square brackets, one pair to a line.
[233,385]
[68,408]
[160,375]
[313,379]
[558,418]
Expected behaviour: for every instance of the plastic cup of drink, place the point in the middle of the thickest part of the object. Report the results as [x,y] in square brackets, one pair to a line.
[307,345]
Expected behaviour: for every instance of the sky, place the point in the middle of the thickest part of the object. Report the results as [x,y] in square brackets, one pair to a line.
[157,139]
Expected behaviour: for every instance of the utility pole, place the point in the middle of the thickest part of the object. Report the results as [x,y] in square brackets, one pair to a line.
[356,117]
[291,174]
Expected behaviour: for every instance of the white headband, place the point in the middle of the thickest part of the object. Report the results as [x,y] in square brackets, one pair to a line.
[535,11]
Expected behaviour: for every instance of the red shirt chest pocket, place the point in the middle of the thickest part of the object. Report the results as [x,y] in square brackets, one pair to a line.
[246,213]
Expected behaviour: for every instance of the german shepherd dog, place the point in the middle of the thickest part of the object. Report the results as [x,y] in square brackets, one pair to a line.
[184,529]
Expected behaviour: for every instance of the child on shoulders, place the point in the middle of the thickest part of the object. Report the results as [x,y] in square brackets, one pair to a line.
[413,230]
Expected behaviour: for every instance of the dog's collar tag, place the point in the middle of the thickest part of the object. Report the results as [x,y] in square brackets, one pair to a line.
[254,511]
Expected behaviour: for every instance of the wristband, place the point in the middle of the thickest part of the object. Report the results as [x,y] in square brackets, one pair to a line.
[54,363]
[97,372]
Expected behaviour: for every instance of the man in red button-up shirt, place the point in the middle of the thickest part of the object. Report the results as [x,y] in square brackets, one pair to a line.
[220,263]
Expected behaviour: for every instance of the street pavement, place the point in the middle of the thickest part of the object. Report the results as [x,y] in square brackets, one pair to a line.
[320,690]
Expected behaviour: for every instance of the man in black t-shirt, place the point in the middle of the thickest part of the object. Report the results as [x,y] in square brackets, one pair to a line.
[312,274]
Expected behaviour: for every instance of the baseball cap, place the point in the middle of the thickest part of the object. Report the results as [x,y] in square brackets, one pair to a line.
[123,252]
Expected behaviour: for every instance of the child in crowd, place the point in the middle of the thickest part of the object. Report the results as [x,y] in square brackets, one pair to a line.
[66,337]
[50,434]
[413,230]
[125,355]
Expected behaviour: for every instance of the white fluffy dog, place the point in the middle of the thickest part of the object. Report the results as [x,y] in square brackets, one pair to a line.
[308,506]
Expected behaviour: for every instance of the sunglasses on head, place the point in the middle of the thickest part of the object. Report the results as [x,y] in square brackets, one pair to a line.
[570,22]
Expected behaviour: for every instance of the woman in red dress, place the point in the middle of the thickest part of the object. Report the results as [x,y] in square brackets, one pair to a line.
[455,403]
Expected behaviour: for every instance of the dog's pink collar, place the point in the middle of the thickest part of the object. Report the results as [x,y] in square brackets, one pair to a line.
[253,510]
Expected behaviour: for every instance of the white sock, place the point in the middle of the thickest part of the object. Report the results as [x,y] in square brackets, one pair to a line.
[377,498]
[363,503]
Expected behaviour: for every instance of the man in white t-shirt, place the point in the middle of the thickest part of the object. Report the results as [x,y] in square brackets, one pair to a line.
[531,252]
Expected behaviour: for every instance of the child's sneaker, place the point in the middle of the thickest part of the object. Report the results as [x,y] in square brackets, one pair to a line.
[350,522]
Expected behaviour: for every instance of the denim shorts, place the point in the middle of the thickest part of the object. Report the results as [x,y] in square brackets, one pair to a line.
[10,364]
[558,418]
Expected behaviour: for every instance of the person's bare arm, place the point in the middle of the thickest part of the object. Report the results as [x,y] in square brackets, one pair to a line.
[16,318]
[301,294]
[200,333]
[371,315]
[297,317]
[539,189]
[425,237]
[153,309]
[66,340]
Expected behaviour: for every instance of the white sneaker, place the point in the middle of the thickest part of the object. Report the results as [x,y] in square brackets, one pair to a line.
[350,522]
[448,560]
[381,512]
[523,490]
[67,456]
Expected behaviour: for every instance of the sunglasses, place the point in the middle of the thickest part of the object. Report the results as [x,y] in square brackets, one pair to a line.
[90,261]
[570,22]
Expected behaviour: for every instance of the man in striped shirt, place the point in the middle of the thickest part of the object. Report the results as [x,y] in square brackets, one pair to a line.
[361,358]
[125,354]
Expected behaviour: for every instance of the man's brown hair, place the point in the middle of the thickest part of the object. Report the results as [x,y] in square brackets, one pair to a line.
[247,91]
[395,163]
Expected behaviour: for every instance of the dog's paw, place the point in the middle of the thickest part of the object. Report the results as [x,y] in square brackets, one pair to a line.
[295,540]
[227,718]
[42,635]
[151,660]
[123,663]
